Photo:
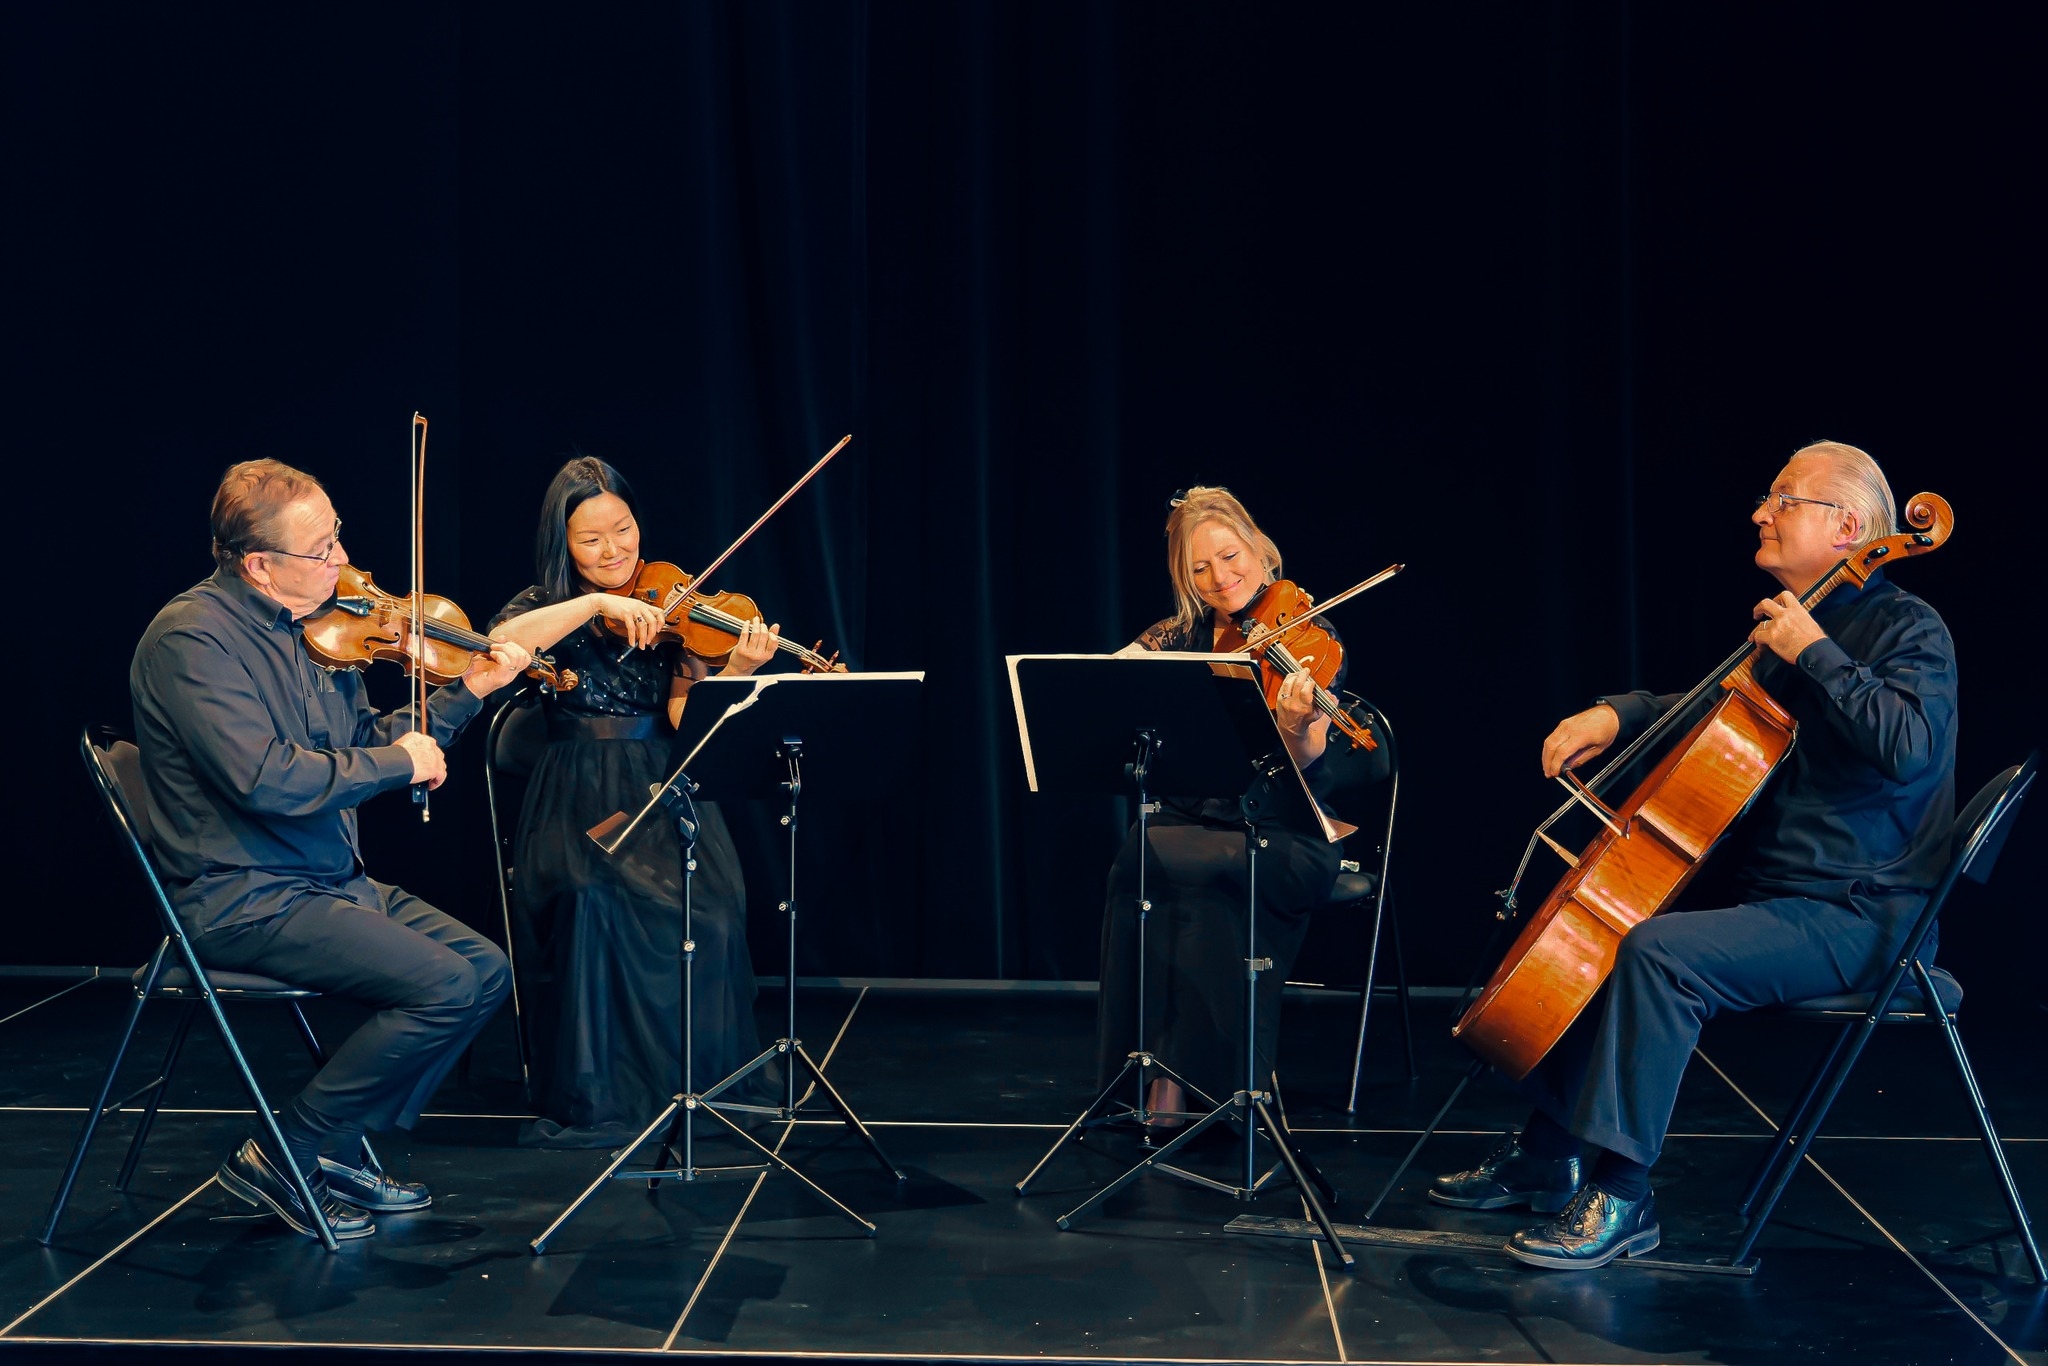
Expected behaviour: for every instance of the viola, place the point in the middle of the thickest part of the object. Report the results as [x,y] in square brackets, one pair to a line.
[1654,841]
[365,623]
[706,624]
[1278,627]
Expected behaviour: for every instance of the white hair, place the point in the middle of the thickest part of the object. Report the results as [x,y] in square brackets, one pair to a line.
[1854,480]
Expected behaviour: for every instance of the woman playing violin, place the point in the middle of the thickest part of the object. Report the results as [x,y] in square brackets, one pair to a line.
[603,931]
[1220,563]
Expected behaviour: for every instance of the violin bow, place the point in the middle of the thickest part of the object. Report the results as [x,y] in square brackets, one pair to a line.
[419,598]
[703,577]
[1347,595]
[726,554]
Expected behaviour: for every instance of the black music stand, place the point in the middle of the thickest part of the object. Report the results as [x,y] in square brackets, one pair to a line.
[743,738]
[1179,725]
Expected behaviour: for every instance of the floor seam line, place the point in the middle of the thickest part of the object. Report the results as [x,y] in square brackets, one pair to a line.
[1323,1274]
[1857,1205]
[105,1257]
[788,1128]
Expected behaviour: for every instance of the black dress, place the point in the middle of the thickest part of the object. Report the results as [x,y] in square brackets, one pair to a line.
[598,935]
[1195,935]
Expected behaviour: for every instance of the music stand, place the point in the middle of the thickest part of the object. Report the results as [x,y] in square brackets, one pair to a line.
[1179,725]
[742,738]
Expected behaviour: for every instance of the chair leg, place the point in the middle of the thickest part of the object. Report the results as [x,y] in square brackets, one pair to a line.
[1401,984]
[156,1095]
[1832,1087]
[1372,962]
[313,1046]
[1992,1147]
[99,1108]
[1795,1122]
[266,1120]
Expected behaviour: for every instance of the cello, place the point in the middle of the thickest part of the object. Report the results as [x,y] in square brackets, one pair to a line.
[1653,843]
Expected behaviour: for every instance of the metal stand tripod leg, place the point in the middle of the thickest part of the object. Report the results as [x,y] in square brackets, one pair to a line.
[1250,1107]
[680,1113]
[791,751]
[1139,1059]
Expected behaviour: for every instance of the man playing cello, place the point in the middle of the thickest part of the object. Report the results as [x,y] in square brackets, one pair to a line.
[1841,852]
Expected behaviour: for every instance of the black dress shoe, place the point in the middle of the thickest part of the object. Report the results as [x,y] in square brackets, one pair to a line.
[1593,1230]
[1511,1178]
[373,1190]
[250,1176]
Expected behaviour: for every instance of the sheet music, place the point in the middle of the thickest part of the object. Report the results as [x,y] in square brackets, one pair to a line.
[1235,664]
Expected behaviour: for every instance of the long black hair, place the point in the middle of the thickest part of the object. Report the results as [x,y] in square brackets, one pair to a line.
[575,484]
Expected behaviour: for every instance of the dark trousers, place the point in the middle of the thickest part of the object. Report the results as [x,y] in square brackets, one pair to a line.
[1195,946]
[433,981]
[1613,1078]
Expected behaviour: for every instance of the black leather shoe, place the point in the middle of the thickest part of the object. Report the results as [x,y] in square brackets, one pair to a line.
[1593,1230]
[373,1190]
[251,1177]
[1511,1178]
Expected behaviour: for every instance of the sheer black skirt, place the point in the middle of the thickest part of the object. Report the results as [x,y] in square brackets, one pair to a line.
[599,938]
[1195,946]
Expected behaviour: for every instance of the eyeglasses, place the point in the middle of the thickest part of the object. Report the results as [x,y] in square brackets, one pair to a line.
[1775,503]
[324,556]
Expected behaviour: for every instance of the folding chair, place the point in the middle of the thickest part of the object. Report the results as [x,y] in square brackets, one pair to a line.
[173,973]
[1911,993]
[517,736]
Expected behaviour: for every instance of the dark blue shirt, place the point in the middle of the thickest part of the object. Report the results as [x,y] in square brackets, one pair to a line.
[255,757]
[1863,803]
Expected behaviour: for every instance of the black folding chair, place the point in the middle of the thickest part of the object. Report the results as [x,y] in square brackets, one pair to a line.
[1911,993]
[173,973]
[517,736]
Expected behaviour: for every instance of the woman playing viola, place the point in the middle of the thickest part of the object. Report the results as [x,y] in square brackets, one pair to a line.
[604,931]
[1219,562]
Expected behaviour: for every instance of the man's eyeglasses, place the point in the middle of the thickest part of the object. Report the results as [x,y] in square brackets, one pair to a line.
[324,556]
[1775,503]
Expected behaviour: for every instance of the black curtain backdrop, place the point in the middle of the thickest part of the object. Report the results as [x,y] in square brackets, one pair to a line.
[1533,298]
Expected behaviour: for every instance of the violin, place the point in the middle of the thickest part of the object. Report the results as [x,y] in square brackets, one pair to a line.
[706,624]
[1278,627]
[364,623]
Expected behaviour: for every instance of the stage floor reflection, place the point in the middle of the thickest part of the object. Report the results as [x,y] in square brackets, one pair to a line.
[1897,1250]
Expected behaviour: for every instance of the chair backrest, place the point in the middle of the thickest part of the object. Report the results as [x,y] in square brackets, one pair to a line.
[519,735]
[1974,841]
[1981,826]
[1365,774]
[116,773]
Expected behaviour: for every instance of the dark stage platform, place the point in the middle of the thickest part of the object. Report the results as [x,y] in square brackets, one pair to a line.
[1898,1250]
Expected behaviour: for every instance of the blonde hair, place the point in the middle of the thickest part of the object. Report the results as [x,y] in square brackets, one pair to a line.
[1194,507]
[1854,480]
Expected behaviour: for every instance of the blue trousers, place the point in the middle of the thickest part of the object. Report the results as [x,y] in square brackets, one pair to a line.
[433,981]
[1613,1078]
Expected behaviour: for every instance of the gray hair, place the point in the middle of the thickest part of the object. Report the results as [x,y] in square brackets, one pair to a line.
[1854,480]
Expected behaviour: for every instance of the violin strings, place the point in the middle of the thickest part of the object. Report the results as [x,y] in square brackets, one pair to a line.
[717,617]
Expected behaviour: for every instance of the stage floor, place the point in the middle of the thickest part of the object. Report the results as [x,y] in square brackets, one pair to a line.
[1898,1250]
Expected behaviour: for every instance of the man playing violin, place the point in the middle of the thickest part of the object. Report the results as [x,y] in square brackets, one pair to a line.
[1840,854]
[255,759]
